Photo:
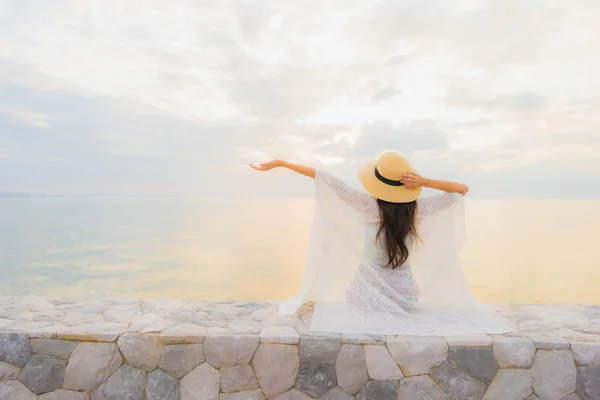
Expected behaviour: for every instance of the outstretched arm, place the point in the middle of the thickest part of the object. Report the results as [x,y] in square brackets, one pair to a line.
[357,199]
[301,169]
[433,204]
[413,180]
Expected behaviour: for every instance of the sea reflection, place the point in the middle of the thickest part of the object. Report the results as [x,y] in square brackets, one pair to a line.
[517,251]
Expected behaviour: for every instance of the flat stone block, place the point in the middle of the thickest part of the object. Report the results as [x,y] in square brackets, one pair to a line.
[293,394]
[140,351]
[588,383]
[277,321]
[184,334]
[380,390]
[159,326]
[49,332]
[255,394]
[351,368]
[244,326]
[336,394]
[238,378]
[420,388]
[554,374]
[471,340]
[8,372]
[14,348]
[181,359]
[478,362]
[161,386]
[279,335]
[71,318]
[456,384]
[316,379]
[259,315]
[127,383]
[62,394]
[557,316]
[514,352]
[121,313]
[380,365]
[15,390]
[146,319]
[91,364]
[349,338]
[202,383]
[90,334]
[43,373]
[319,350]
[276,367]
[586,353]
[5,322]
[510,384]
[417,355]
[53,347]
[229,350]
[545,341]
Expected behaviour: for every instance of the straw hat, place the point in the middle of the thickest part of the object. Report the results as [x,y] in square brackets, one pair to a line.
[381,178]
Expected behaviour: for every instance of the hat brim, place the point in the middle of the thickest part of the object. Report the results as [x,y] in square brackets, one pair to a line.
[383,191]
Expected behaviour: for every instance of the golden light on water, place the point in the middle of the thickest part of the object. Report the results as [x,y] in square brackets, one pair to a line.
[518,251]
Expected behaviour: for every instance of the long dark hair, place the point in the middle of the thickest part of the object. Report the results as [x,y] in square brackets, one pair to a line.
[397,225]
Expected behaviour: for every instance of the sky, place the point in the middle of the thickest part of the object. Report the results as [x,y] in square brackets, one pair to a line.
[175,98]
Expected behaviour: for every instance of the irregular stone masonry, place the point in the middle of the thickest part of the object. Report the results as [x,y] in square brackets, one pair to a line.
[96,349]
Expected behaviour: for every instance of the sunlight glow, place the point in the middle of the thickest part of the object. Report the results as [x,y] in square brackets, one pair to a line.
[332,160]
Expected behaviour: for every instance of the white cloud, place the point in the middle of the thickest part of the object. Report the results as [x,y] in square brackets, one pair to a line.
[408,138]
[27,118]
[195,86]
[385,94]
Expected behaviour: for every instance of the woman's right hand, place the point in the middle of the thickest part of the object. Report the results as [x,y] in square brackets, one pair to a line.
[267,166]
[412,180]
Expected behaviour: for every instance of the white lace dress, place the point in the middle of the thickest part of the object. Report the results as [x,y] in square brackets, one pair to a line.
[355,292]
[399,284]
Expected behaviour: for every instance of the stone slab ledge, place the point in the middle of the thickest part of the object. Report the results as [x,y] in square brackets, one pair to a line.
[57,349]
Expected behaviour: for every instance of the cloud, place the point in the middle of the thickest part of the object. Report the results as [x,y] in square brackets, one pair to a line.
[408,138]
[385,94]
[26,118]
[96,145]
[521,102]
[98,96]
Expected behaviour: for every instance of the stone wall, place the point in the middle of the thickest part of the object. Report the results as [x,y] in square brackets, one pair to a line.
[280,364]
[248,359]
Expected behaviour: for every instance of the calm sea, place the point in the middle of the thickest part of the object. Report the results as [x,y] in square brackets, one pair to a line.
[521,251]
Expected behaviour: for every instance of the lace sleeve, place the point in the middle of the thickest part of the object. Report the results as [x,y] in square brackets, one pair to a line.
[355,198]
[432,204]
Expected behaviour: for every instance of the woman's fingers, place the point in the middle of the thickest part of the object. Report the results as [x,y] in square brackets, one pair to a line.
[411,180]
[258,167]
[266,166]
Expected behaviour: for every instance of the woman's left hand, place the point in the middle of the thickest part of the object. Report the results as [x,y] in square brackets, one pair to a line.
[267,166]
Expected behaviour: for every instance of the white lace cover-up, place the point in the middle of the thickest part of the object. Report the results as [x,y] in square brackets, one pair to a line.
[354,290]
[404,289]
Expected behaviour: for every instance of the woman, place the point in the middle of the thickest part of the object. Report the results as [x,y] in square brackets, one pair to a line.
[365,247]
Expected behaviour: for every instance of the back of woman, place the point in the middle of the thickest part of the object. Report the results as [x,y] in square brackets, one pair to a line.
[385,261]
[390,231]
